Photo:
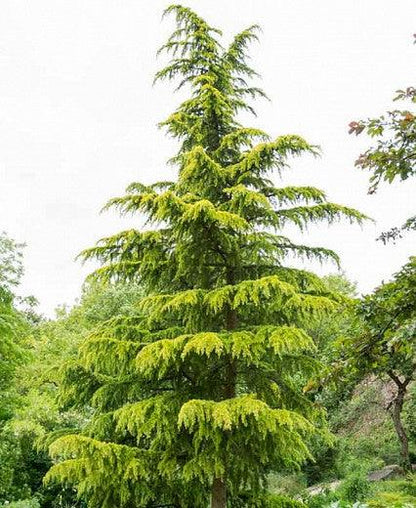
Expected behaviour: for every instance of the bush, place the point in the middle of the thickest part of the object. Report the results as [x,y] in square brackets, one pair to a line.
[276,501]
[355,488]
[392,500]
[245,500]
[289,485]
[407,486]
[395,494]
[323,500]
[323,467]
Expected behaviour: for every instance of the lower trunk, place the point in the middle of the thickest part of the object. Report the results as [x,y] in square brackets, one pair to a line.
[396,411]
[218,494]
[219,485]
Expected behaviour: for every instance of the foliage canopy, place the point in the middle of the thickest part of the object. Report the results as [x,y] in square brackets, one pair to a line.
[198,395]
[394,154]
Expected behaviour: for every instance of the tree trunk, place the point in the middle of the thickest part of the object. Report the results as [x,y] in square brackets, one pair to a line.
[218,494]
[219,486]
[396,416]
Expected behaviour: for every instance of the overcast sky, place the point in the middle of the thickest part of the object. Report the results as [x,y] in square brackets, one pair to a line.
[78,117]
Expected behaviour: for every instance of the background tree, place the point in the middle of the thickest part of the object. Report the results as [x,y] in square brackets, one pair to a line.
[11,353]
[387,345]
[327,332]
[394,155]
[13,327]
[36,414]
[201,397]
[11,262]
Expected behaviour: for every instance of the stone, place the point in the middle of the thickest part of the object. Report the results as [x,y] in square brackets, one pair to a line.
[387,473]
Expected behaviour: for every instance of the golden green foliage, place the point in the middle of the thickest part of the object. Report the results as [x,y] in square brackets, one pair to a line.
[213,390]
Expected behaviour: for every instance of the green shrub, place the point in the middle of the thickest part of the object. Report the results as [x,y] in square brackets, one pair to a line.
[355,488]
[322,500]
[392,500]
[351,457]
[277,501]
[245,500]
[323,467]
[408,486]
[288,485]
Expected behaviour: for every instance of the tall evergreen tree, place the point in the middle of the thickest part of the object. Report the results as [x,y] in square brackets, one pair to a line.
[197,400]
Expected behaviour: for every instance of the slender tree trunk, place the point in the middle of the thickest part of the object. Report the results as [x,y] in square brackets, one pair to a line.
[395,412]
[219,485]
[218,493]
[396,415]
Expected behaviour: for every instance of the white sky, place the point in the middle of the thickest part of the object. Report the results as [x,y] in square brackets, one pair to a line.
[78,117]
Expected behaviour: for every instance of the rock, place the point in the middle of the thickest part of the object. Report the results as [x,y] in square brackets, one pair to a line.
[323,487]
[387,473]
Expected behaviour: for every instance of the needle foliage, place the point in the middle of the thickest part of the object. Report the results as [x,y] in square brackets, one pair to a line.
[198,396]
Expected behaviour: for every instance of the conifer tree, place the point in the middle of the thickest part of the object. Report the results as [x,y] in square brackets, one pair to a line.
[198,398]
